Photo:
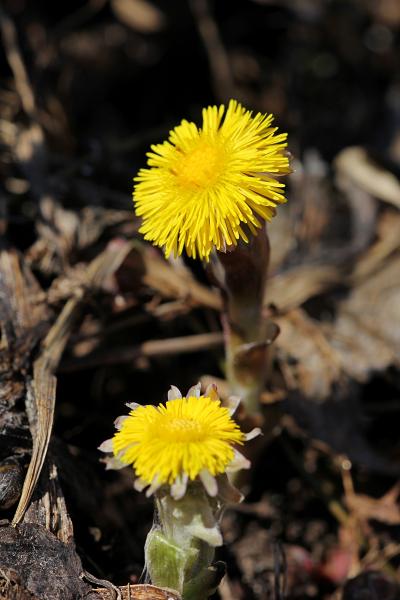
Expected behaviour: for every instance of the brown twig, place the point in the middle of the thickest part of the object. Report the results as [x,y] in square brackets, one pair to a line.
[178,345]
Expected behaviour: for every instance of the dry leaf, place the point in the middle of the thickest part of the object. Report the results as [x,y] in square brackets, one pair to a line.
[385,509]
[41,410]
[365,335]
[292,288]
[139,15]
[173,279]
[308,361]
[388,241]
[353,163]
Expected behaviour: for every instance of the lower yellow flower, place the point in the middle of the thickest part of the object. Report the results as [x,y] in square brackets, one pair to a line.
[207,187]
[184,439]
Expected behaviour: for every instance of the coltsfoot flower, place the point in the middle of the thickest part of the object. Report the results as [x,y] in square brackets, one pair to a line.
[186,439]
[208,187]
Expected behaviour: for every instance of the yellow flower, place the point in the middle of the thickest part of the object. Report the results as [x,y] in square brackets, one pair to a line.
[184,439]
[209,187]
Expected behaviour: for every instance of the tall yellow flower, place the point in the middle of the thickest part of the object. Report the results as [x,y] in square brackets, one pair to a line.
[185,439]
[208,187]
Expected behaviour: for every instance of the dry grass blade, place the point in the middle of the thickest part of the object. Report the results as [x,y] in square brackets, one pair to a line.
[45,394]
[16,64]
[13,281]
[44,382]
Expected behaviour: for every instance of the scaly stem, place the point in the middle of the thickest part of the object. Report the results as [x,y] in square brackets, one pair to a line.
[180,549]
[242,273]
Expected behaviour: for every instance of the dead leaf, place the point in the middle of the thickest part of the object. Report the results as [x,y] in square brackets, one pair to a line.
[41,408]
[353,163]
[365,336]
[174,279]
[385,509]
[309,362]
[292,288]
[388,241]
[140,15]
[386,11]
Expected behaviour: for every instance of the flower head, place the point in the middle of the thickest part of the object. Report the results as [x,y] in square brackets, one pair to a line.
[207,187]
[186,438]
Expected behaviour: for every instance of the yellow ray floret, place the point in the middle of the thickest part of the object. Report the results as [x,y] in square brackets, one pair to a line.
[208,187]
[179,439]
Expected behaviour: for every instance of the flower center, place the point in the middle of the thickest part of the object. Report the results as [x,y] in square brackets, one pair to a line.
[201,167]
[182,430]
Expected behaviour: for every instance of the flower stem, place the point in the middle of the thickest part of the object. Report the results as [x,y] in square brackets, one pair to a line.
[242,274]
[180,549]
